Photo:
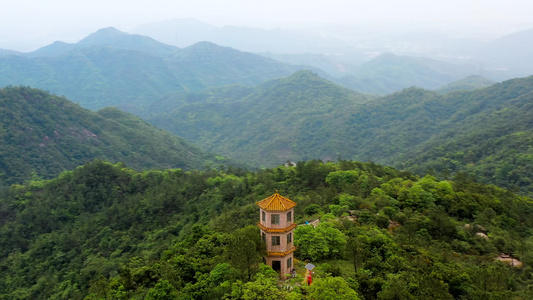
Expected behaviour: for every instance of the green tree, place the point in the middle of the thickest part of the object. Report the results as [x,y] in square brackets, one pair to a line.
[163,290]
[245,250]
[331,288]
[319,243]
[264,287]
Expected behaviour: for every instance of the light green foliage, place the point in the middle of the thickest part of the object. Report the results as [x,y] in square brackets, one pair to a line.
[264,287]
[341,178]
[349,201]
[338,210]
[331,288]
[319,243]
[162,290]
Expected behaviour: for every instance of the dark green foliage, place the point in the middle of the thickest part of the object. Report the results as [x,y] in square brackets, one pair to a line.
[42,135]
[488,138]
[485,132]
[294,118]
[105,231]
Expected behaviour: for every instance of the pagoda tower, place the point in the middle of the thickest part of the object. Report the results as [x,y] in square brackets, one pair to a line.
[276,215]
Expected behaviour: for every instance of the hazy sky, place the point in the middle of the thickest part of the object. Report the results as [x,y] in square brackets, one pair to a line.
[28,24]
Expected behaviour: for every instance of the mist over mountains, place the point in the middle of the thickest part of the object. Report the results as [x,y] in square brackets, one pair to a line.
[497,58]
[111,67]
[265,112]
[131,163]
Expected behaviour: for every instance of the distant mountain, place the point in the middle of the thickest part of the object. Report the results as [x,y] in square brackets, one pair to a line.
[107,37]
[210,65]
[334,65]
[42,135]
[389,73]
[185,32]
[111,67]
[518,43]
[472,82]
[511,54]
[490,135]
[8,52]
[292,118]
[303,117]
[177,32]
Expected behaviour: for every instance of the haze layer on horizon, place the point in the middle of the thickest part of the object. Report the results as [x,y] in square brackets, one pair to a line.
[30,24]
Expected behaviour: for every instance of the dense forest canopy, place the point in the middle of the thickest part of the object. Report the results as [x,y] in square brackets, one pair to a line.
[486,132]
[103,205]
[42,135]
[106,231]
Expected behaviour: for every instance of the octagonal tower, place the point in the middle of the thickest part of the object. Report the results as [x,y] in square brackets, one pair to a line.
[276,215]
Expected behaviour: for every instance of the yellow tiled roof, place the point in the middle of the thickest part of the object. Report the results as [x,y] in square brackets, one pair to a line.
[276,202]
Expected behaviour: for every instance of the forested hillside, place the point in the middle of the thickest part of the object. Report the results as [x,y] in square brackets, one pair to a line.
[295,118]
[304,117]
[103,231]
[43,135]
[490,137]
[113,68]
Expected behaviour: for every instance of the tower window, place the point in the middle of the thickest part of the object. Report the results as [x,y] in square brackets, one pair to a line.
[289,216]
[275,219]
[263,216]
[289,262]
[289,238]
[276,240]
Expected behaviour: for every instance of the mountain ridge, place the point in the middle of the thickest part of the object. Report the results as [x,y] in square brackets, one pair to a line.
[131,70]
[42,135]
[304,117]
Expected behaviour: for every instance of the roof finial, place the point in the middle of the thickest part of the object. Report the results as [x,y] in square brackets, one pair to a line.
[277,192]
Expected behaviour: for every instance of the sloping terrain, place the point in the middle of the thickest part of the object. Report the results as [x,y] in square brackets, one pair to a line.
[113,68]
[43,135]
[304,117]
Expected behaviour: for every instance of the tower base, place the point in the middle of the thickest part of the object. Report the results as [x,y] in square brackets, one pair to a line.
[281,264]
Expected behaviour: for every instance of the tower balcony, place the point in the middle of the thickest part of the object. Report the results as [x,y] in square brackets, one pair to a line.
[284,253]
[276,230]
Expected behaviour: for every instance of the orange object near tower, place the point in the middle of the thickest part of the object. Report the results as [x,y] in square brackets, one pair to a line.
[276,221]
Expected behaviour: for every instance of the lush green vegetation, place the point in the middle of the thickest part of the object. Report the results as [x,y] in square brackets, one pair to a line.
[112,68]
[186,230]
[42,135]
[490,138]
[485,132]
[104,231]
[295,118]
